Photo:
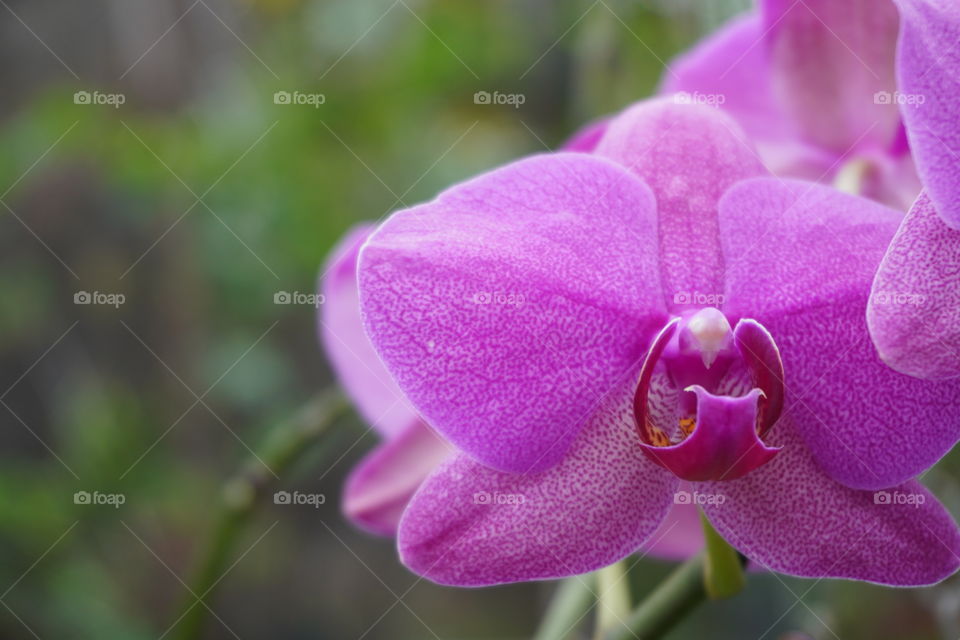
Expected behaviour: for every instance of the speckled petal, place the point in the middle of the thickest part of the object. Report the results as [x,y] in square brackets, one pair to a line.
[509,305]
[914,311]
[470,525]
[379,488]
[689,155]
[829,61]
[790,517]
[928,69]
[358,368]
[800,259]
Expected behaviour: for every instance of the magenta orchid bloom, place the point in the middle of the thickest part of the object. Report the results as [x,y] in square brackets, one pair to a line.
[602,335]
[813,85]
[378,490]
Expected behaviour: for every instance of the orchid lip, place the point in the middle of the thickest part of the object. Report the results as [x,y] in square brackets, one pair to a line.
[718,392]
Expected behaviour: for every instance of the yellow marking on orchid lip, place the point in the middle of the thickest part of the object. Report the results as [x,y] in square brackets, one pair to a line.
[687,425]
[656,436]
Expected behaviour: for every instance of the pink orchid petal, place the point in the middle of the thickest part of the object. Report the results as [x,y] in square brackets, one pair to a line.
[759,351]
[790,517]
[509,305]
[470,525]
[379,488]
[732,66]
[800,260]
[586,138]
[358,367]
[829,60]
[680,535]
[928,69]
[689,155]
[914,310]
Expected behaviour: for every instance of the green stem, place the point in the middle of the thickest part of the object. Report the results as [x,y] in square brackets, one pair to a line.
[673,599]
[285,445]
[613,595]
[717,572]
[723,567]
[570,603]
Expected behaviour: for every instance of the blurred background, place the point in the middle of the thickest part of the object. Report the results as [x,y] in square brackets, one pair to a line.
[157,192]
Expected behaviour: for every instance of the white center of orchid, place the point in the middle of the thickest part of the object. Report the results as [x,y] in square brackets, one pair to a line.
[712,333]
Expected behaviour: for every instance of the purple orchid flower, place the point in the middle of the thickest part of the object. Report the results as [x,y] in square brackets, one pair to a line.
[379,488]
[812,84]
[914,311]
[604,334]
